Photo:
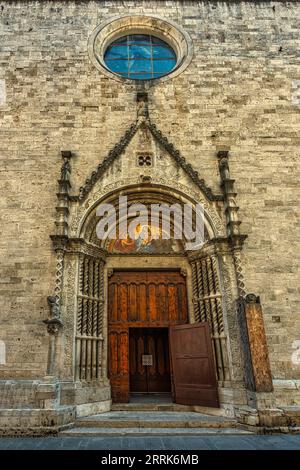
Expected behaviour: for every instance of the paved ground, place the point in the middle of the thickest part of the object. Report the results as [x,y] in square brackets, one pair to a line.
[274,442]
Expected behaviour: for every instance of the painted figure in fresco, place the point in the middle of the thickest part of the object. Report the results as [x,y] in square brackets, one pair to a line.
[148,239]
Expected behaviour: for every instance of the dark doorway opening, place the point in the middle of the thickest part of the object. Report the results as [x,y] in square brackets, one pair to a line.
[149,361]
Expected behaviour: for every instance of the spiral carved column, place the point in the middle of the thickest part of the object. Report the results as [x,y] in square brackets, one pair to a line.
[207,300]
[89,335]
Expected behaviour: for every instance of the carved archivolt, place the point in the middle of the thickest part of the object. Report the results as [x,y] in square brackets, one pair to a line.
[81,214]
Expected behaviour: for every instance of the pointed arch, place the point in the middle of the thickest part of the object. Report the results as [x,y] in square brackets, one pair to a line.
[120,147]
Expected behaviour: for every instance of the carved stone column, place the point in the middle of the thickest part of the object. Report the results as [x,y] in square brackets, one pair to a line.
[232,220]
[90,311]
[62,209]
[207,301]
[54,326]
[249,312]
[59,240]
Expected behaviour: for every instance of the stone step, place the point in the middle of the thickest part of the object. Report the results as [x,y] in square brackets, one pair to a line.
[114,432]
[150,407]
[154,419]
[167,407]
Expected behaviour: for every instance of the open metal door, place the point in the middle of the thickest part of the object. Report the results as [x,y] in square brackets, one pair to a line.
[194,376]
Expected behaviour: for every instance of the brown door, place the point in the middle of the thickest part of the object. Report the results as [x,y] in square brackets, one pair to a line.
[149,361]
[194,376]
[141,299]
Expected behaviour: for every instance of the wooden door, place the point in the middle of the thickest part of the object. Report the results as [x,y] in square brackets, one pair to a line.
[194,375]
[140,299]
[149,345]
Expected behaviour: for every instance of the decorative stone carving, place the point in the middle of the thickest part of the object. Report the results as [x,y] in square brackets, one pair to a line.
[231,211]
[79,219]
[146,179]
[112,155]
[163,141]
[183,272]
[66,167]
[239,272]
[207,300]
[228,282]
[187,167]
[53,322]
[142,102]
[90,312]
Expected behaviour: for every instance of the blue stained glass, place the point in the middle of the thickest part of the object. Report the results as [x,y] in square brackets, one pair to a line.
[116,52]
[140,57]
[141,76]
[139,52]
[162,52]
[139,66]
[118,66]
[163,66]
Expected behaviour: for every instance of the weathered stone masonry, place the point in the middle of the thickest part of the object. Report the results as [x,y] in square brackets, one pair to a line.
[240,94]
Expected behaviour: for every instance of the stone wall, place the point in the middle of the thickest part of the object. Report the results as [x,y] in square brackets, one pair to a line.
[239,93]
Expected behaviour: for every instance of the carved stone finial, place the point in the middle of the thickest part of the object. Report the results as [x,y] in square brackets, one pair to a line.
[223,154]
[66,154]
[223,164]
[54,323]
[54,307]
[142,103]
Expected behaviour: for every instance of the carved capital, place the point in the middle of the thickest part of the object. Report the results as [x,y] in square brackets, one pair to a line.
[53,322]
[237,241]
[54,325]
[183,272]
[59,242]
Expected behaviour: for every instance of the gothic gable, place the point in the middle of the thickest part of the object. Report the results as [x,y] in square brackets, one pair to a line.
[147,153]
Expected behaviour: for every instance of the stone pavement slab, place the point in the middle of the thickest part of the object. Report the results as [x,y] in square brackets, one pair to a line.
[216,442]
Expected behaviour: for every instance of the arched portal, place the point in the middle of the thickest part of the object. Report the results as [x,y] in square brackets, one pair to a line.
[130,292]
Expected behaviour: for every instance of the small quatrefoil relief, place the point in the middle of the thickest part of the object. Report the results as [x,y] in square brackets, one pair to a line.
[144,159]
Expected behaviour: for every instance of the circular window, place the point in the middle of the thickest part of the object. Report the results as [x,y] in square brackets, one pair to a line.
[139,47]
[140,57]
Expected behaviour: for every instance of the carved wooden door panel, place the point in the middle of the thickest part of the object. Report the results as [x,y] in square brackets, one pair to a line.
[149,361]
[193,366]
[119,364]
[141,299]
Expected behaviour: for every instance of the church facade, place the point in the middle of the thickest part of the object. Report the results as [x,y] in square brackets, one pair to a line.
[167,104]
